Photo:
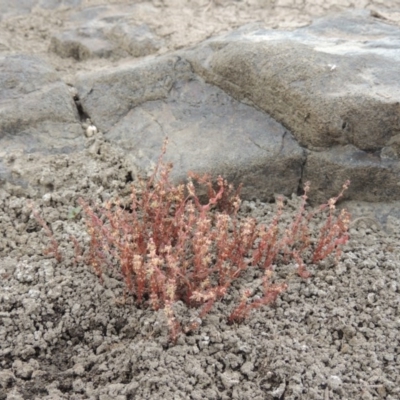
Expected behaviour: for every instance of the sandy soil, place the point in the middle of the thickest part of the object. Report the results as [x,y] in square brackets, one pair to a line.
[64,335]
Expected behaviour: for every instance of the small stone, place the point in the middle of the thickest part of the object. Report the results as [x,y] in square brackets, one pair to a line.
[334,382]
[22,370]
[78,385]
[46,198]
[388,357]
[6,378]
[75,309]
[90,131]
[277,393]
[79,369]
[371,298]
[230,379]
[247,369]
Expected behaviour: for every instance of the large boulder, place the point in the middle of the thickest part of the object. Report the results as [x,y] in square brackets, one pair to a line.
[271,109]
[137,105]
[37,110]
[104,32]
[333,84]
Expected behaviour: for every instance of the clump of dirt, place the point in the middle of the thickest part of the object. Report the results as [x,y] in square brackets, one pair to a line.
[65,335]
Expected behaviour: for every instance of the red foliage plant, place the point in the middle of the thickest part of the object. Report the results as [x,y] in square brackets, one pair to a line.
[169,246]
[53,248]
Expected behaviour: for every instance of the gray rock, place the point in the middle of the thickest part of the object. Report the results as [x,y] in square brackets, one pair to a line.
[334,382]
[230,379]
[107,96]
[372,178]
[36,106]
[333,84]
[81,44]
[136,40]
[37,112]
[138,105]
[104,33]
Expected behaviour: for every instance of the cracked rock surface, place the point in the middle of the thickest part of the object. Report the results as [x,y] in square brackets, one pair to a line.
[326,94]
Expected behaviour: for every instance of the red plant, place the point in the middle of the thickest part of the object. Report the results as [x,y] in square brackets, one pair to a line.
[53,247]
[334,233]
[169,246]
